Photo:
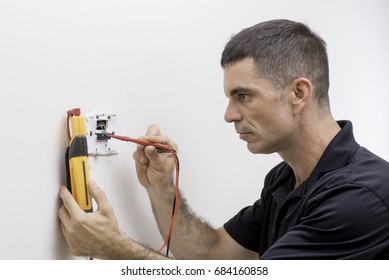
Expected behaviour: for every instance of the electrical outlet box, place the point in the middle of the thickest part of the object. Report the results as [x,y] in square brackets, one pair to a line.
[97,125]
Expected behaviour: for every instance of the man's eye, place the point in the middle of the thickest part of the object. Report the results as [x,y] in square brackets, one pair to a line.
[242,97]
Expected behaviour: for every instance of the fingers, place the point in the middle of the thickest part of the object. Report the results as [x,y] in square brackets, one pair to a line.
[139,155]
[151,153]
[153,134]
[161,139]
[70,207]
[154,164]
[63,215]
[69,202]
[140,158]
[153,130]
[143,154]
[88,233]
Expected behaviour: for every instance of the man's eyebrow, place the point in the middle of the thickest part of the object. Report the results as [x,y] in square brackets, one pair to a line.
[238,90]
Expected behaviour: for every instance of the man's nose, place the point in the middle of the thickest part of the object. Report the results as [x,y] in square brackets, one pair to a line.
[232,114]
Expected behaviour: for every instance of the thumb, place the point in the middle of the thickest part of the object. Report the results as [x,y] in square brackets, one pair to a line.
[151,153]
[99,195]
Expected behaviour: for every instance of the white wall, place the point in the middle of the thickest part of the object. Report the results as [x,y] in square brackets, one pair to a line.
[156,62]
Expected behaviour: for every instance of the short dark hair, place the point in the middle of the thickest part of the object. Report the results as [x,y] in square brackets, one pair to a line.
[283,50]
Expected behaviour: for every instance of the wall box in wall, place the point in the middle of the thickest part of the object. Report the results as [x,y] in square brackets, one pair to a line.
[98,124]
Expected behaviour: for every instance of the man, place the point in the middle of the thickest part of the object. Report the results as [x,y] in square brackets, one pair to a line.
[328,199]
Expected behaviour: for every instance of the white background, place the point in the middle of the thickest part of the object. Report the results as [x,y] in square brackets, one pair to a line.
[156,62]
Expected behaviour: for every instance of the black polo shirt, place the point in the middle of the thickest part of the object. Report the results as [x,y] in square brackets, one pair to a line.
[340,212]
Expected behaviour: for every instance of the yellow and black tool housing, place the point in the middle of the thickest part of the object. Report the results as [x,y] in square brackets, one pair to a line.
[77,164]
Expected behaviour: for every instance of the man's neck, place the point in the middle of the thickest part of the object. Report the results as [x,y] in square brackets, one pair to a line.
[309,146]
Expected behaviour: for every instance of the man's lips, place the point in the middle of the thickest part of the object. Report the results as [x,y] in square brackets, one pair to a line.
[243,135]
[242,132]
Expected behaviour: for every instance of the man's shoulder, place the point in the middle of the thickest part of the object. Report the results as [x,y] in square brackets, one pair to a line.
[370,171]
[364,170]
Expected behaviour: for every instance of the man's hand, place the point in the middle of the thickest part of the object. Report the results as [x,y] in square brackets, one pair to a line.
[153,167]
[89,234]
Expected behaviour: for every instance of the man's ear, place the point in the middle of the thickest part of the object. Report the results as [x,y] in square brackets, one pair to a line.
[300,93]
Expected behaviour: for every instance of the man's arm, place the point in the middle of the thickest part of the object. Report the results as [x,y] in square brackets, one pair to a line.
[98,235]
[192,238]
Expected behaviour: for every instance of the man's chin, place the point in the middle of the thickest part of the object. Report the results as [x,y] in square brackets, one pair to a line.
[255,149]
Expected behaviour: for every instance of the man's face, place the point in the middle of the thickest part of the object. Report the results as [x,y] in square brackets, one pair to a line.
[261,118]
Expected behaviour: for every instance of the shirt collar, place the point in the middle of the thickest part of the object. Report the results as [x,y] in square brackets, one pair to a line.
[337,154]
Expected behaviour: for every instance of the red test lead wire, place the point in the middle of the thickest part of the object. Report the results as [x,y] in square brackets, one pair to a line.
[176,193]
[142,142]
[70,113]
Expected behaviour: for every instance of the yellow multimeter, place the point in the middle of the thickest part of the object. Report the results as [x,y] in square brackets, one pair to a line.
[77,164]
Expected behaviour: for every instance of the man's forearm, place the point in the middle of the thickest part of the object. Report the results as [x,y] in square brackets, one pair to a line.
[123,248]
[191,237]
